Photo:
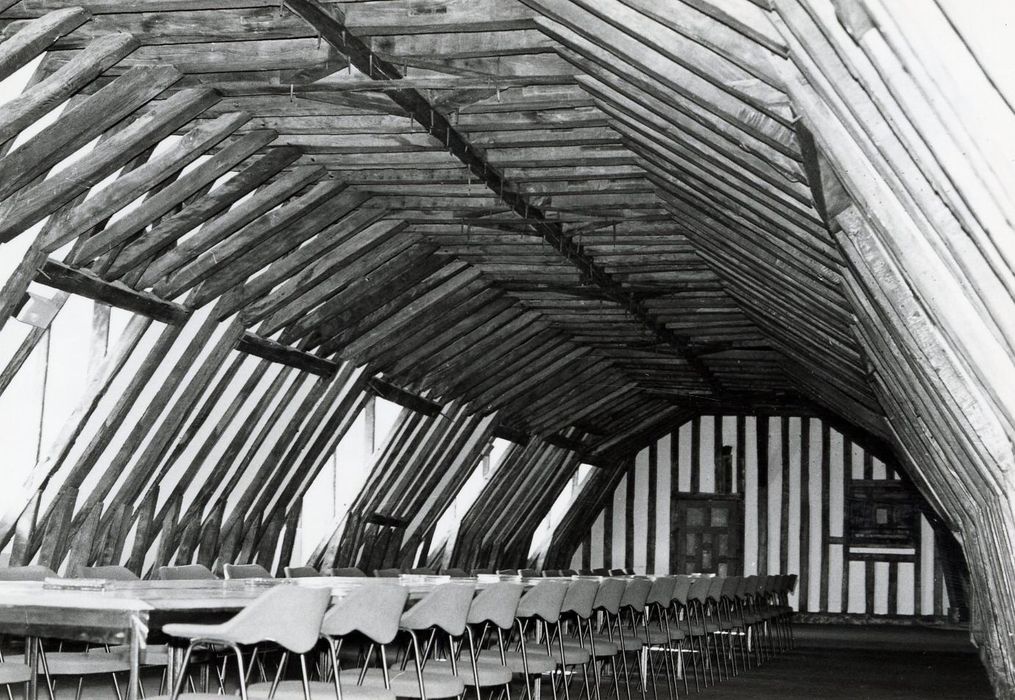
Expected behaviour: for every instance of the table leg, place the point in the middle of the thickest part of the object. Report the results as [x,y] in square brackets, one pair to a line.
[135,666]
[175,660]
[32,660]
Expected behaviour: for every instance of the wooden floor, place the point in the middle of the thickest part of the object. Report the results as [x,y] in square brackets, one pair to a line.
[832,663]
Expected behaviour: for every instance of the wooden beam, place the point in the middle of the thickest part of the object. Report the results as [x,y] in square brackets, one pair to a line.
[558,440]
[85,283]
[506,432]
[330,24]
[33,38]
[407,399]
[285,355]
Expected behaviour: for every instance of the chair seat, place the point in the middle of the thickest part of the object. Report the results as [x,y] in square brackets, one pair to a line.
[491,671]
[657,636]
[85,663]
[539,661]
[405,684]
[190,631]
[293,690]
[604,647]
[699,630]
[152,655]
[572,656]
[14,673]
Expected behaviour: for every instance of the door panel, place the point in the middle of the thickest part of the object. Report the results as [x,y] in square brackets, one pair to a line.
[708,531]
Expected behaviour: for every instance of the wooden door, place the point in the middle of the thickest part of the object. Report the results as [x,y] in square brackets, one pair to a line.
[709,533]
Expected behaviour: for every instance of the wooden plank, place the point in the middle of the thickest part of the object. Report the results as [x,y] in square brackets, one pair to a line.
[33,38]
[407,399]
[161,203]
[85,283]
[90,118]
[30,205]
[129,186]
[283,354]
[249,214]
[170,229]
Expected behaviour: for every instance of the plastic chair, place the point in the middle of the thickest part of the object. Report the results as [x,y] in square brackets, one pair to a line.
[540,607]
[423,571]
[289,616]
[347,571]
[495,606]
[245,571]
[110,573]
[33,572]
[387,573]
[679,609]
[633,602]
[455,573]
[578,607]
[444,610]
[372,612]
[301,572]
[186,572]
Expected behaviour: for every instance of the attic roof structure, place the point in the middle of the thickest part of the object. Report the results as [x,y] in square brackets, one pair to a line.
[570,222]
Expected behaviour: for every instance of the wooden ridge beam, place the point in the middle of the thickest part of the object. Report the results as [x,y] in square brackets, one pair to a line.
[330,25]
[87,284]
[407,399]
[283,354]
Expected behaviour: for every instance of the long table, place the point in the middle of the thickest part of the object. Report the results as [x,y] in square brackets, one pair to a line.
[133,613]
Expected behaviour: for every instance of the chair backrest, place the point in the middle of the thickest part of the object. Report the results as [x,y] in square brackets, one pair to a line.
[715,587]
[661,592]
[618,572]
[698,591]
[186,572]
[750,585]
[479,572]
[301,572]
[551,573]
[371,610]
[528,573]
[238,571]
[791,581]
[33,572]
[112,573]
[445,607]
[730,585]
[347,571]
[387,573]
[543,600]
[610,593]
[290,616]
[681,587]
[636,594]
[601,572]
[496,604]
[455,573]
[423,571]
[568,572]
[508,572]
[580,597]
